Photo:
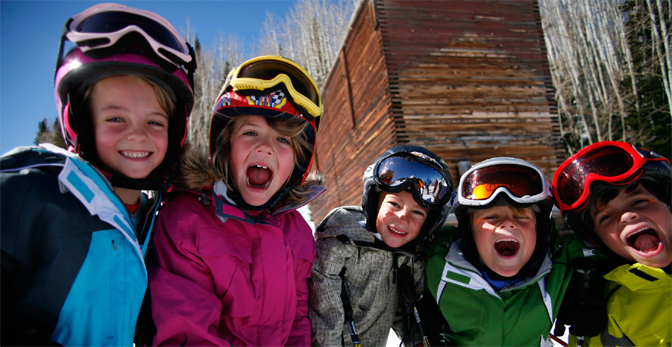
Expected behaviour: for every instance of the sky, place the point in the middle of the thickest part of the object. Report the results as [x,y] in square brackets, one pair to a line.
[29,37]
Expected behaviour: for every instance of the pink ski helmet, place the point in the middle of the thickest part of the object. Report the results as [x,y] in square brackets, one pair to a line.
[115,40]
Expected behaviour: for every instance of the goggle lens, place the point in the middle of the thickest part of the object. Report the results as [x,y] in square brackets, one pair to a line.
[430,183]
[520,181]
[604,162]
[110,22]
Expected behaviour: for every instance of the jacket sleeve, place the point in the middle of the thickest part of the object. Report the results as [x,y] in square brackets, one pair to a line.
[185,309]
[326,307]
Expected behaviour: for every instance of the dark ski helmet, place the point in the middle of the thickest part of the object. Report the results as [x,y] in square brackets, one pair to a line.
[275,87]
[503,181]
[414,168]
[112,40]
[603,166]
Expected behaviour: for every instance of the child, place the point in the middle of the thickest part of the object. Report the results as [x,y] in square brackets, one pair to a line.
[369,255]
[233,254]
[75,225]
[617,196]
[500,275]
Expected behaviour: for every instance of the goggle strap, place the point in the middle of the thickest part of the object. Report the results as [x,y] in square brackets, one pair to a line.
[59,60]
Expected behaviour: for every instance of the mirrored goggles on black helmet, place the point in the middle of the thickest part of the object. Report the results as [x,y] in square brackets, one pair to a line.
[265,73]
[102,26]
[398,171]
[521,181]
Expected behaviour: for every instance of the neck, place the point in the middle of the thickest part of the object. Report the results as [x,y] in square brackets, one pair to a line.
[128,196]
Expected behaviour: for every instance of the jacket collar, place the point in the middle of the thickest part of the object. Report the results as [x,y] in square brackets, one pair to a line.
[456,258]
[226,208]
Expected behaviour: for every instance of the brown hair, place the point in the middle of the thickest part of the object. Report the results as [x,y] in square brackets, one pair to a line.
[162,96]
[292,127]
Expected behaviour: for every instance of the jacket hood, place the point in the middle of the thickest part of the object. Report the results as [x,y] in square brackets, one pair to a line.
[195,171]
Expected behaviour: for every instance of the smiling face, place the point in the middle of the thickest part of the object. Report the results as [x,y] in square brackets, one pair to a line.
[636,226]
[261,159]
[505,238]
[399,218]
[130,126]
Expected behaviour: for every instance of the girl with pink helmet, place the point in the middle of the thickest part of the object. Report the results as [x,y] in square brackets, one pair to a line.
[76,224]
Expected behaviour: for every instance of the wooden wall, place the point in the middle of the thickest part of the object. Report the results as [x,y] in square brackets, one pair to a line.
[357,125]
[468,79]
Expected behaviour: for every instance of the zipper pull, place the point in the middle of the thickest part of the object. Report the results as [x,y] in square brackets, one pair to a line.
[114,245]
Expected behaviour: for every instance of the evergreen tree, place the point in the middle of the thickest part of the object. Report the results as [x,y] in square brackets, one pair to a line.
[43,133]
[49,134]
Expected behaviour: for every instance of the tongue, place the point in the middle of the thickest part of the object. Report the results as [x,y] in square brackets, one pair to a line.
[646,243]
[258,176]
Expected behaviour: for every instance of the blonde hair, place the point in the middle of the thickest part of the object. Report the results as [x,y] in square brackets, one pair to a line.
[517,210]
[292,127]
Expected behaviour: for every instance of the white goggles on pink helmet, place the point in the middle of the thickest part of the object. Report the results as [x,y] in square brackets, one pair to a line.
[101,26]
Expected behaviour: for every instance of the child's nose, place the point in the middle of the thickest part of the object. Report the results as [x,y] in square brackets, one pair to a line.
[507,223]
[265,148]
[628,216]
[136,133]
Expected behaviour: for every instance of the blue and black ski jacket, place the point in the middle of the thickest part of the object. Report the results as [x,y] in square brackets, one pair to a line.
[73,268]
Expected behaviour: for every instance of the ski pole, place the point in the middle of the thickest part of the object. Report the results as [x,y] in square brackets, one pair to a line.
[425,338]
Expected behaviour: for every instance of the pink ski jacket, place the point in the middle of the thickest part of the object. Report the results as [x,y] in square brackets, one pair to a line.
[227,278]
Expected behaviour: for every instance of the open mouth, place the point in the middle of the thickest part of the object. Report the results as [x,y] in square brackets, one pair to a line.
[135,155]
[507,247]
[259,176]
[645,240]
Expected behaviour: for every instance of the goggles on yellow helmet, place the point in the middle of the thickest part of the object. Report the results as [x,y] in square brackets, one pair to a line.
[263,74]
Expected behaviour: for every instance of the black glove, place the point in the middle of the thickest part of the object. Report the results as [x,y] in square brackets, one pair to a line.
[584,306]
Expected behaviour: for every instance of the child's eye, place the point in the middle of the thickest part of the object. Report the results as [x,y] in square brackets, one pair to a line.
[115,119]
[522,217]
[284,140]
[418,212]
[250,133]
[639,201]
[157,123]
[394,204]
[602,218]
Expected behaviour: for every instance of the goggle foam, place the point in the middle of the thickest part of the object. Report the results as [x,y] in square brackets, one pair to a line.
[612,162]
[398,171]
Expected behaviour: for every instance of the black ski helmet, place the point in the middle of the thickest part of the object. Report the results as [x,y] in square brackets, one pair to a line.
[437,212]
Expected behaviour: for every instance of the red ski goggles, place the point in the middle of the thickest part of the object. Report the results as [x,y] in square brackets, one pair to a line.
[612,162]
[398,171]
[263,74]
[521,181]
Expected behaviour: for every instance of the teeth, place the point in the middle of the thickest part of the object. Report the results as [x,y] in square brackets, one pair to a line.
[135,154]
[259,166]
[503,240]
[396,231]
[637,232]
